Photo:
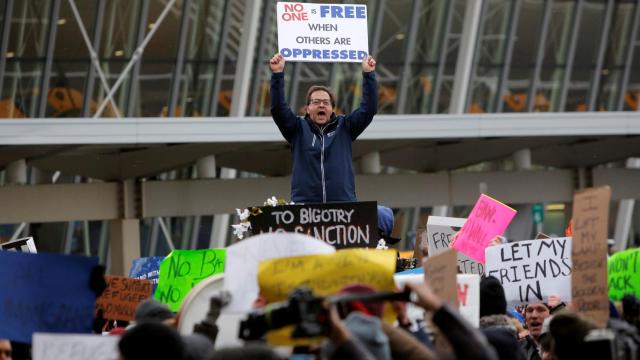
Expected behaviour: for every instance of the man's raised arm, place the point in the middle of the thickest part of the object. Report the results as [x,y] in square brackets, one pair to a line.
[282,114]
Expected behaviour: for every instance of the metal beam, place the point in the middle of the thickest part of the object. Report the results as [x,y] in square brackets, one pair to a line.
[180,54]
[246,54]
[602,49]
[48,56]
[542,42]
[475,57]
[442,61]
[409,54]
[4,39]
[466,54]
[631,45]
[504,71]
[134,65]
[89,84]
[222,54]
[571,52]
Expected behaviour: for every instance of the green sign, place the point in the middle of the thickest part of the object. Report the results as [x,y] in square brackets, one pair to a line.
[537,211]
[624,274]
[181,270]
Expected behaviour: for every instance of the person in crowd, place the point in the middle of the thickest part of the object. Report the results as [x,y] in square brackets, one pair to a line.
[151,340]
[535,314]
[321,140]
[152,310]
[5,349]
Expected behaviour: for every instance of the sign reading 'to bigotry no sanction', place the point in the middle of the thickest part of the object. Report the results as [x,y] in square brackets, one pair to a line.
[322,32]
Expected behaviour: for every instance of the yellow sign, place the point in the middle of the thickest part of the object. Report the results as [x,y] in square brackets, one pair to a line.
[324,275]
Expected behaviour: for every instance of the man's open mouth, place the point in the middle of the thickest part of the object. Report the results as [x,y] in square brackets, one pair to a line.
[322,113]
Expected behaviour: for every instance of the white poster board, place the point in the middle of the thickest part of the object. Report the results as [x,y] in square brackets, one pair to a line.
[468,297]
[20,245]
[440,231]
[322,32]
[48,346]
[242,259]
[532,270]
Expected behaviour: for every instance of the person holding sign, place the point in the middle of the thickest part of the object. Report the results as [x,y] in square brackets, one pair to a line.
[321,140]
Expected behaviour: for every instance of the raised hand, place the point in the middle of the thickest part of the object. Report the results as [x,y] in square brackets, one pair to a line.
[277,63]
[368,64]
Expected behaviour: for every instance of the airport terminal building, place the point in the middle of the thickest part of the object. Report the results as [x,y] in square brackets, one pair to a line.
[132,127]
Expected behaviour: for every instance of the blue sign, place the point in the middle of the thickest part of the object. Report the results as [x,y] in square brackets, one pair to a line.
[45,293]
[147,268]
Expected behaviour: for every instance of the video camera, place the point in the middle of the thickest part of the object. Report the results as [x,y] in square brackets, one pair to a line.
[306,311]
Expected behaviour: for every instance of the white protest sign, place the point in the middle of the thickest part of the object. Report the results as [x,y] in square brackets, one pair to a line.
[48,346]
[20,245]
[440,231]
[532,270]
[468,297]
[242,259]
[322,32]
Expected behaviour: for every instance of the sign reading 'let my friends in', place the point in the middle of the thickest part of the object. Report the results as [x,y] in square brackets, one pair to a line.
[322,32]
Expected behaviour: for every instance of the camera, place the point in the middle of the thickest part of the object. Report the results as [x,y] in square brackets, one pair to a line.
[302,308]
[609,344]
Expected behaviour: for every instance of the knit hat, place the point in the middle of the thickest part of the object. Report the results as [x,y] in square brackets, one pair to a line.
[492,299]
[152,311]
[151,340]
[385,224]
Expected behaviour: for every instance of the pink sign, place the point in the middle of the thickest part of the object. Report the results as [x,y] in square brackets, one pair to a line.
[488,219]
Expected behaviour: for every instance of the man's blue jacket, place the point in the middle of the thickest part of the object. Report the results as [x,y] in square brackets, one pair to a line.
[322,163]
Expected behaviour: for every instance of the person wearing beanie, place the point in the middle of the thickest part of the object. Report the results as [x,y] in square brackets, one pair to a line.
[153,311]
[492,298]
[151,340]
[197,347]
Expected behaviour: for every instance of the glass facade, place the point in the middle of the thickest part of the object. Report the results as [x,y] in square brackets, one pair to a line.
[530,55]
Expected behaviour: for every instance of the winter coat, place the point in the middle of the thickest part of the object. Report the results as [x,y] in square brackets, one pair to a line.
[322,155]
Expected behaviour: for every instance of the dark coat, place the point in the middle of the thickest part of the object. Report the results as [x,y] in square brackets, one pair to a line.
[322,160]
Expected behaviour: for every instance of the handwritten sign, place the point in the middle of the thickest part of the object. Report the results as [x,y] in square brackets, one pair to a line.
[324,275]
[74,347]
[121,297]
[468,293]
[589,281]
[441,270]
[341,225]
[46,293]
[624,274]
[241,270]
[468,290]
[322,32]
[488,218]
[532,270]
[147,268]
[440,232]
[21,245]
[181,270]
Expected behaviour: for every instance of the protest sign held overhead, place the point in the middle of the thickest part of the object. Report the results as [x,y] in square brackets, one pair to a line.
[181,270]
[75,347]
[20,245]
[440,270]
[121,297]
[488,218]
[341,225]
[532,270]
[243,258]
[624,274]
[589,255]
[322,32]
[147,268]
[45,293]
[440,232]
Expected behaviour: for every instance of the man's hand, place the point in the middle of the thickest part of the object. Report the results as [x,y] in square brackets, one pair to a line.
[277,63]
[369,64]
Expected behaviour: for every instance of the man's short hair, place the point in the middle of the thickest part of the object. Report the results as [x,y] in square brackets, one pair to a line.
[315,88]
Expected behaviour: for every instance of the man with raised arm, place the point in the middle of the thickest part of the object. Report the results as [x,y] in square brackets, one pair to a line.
[321,140]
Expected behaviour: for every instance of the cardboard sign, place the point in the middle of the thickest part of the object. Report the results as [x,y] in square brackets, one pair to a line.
[45,293]
[468,293]
[181,270]
[488,218]
[624,274]
[532,270]
[589,256]
[121,297]
[441,270]
[322,32]
[147,268]
[420,250]
[342,225]
[440,232]
[20,245]
[324,275]
[243,258]
[75,347]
